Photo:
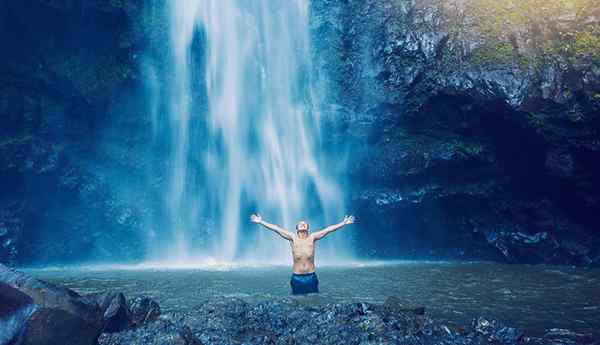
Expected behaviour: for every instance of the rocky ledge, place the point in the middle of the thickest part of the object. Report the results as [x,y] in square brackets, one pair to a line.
[464,139]
[36,312]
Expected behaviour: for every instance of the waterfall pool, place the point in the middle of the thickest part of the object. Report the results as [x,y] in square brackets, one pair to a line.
[534,298]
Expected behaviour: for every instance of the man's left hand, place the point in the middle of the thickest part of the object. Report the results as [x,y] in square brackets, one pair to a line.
[348,220]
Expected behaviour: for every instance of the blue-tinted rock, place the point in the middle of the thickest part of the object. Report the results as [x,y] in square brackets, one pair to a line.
[159,332]
[143,309]
[117,315]
[15,311]
[53,314]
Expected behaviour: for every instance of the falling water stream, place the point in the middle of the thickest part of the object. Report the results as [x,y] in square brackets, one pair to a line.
[260,148]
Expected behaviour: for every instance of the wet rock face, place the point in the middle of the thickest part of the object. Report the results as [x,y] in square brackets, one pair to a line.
[66,70]
[452,158]
[11,230]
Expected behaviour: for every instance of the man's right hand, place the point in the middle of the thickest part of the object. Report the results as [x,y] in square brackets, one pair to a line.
[256,218]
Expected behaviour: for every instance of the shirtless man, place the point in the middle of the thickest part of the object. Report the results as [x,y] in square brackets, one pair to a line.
[304,279]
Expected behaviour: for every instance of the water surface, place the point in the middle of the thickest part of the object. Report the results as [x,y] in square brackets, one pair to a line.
[534,298]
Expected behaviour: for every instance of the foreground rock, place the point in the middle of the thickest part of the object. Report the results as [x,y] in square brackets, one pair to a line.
[115,311]
[224,320]
[143,310]
[160,332]
[36,312]
[118,314]
[16,309]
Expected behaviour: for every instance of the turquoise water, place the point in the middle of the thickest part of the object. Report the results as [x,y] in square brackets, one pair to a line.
[534,298]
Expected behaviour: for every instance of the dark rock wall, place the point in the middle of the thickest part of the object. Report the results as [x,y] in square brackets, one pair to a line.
[453,155]
[73,123]
[447,156]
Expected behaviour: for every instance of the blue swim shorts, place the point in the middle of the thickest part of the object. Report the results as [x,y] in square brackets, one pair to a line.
[304,283]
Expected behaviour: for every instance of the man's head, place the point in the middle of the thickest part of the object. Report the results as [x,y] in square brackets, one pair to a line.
[302,228]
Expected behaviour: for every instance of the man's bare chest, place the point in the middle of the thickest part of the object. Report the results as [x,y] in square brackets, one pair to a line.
[303,247]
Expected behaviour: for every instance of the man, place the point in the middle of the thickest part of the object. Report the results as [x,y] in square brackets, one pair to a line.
[304,279]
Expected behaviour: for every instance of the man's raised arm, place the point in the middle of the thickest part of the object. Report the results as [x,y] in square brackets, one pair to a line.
[256,218]
[320,234]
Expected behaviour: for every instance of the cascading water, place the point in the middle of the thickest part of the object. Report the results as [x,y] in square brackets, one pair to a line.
[255,145]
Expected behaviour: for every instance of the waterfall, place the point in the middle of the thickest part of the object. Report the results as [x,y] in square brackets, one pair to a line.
[254,142]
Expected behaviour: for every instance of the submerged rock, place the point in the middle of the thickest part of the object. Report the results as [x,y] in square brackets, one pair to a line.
[43,313]
[395,305]
[565,336]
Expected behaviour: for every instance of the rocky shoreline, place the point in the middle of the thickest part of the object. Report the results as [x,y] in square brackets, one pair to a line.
[36,312]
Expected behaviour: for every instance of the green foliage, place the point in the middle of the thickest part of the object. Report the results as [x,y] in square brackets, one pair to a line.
[501,53]
[587,44]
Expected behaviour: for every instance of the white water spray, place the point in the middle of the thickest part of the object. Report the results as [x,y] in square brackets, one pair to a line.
[261,145]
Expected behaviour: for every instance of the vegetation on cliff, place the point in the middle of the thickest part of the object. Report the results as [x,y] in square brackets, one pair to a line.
[520,31]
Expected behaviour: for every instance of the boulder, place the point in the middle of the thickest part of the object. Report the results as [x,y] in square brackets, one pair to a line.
[16,309]
[103,299]
[143,309]
[42,313]
[117,315]
[120,314]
